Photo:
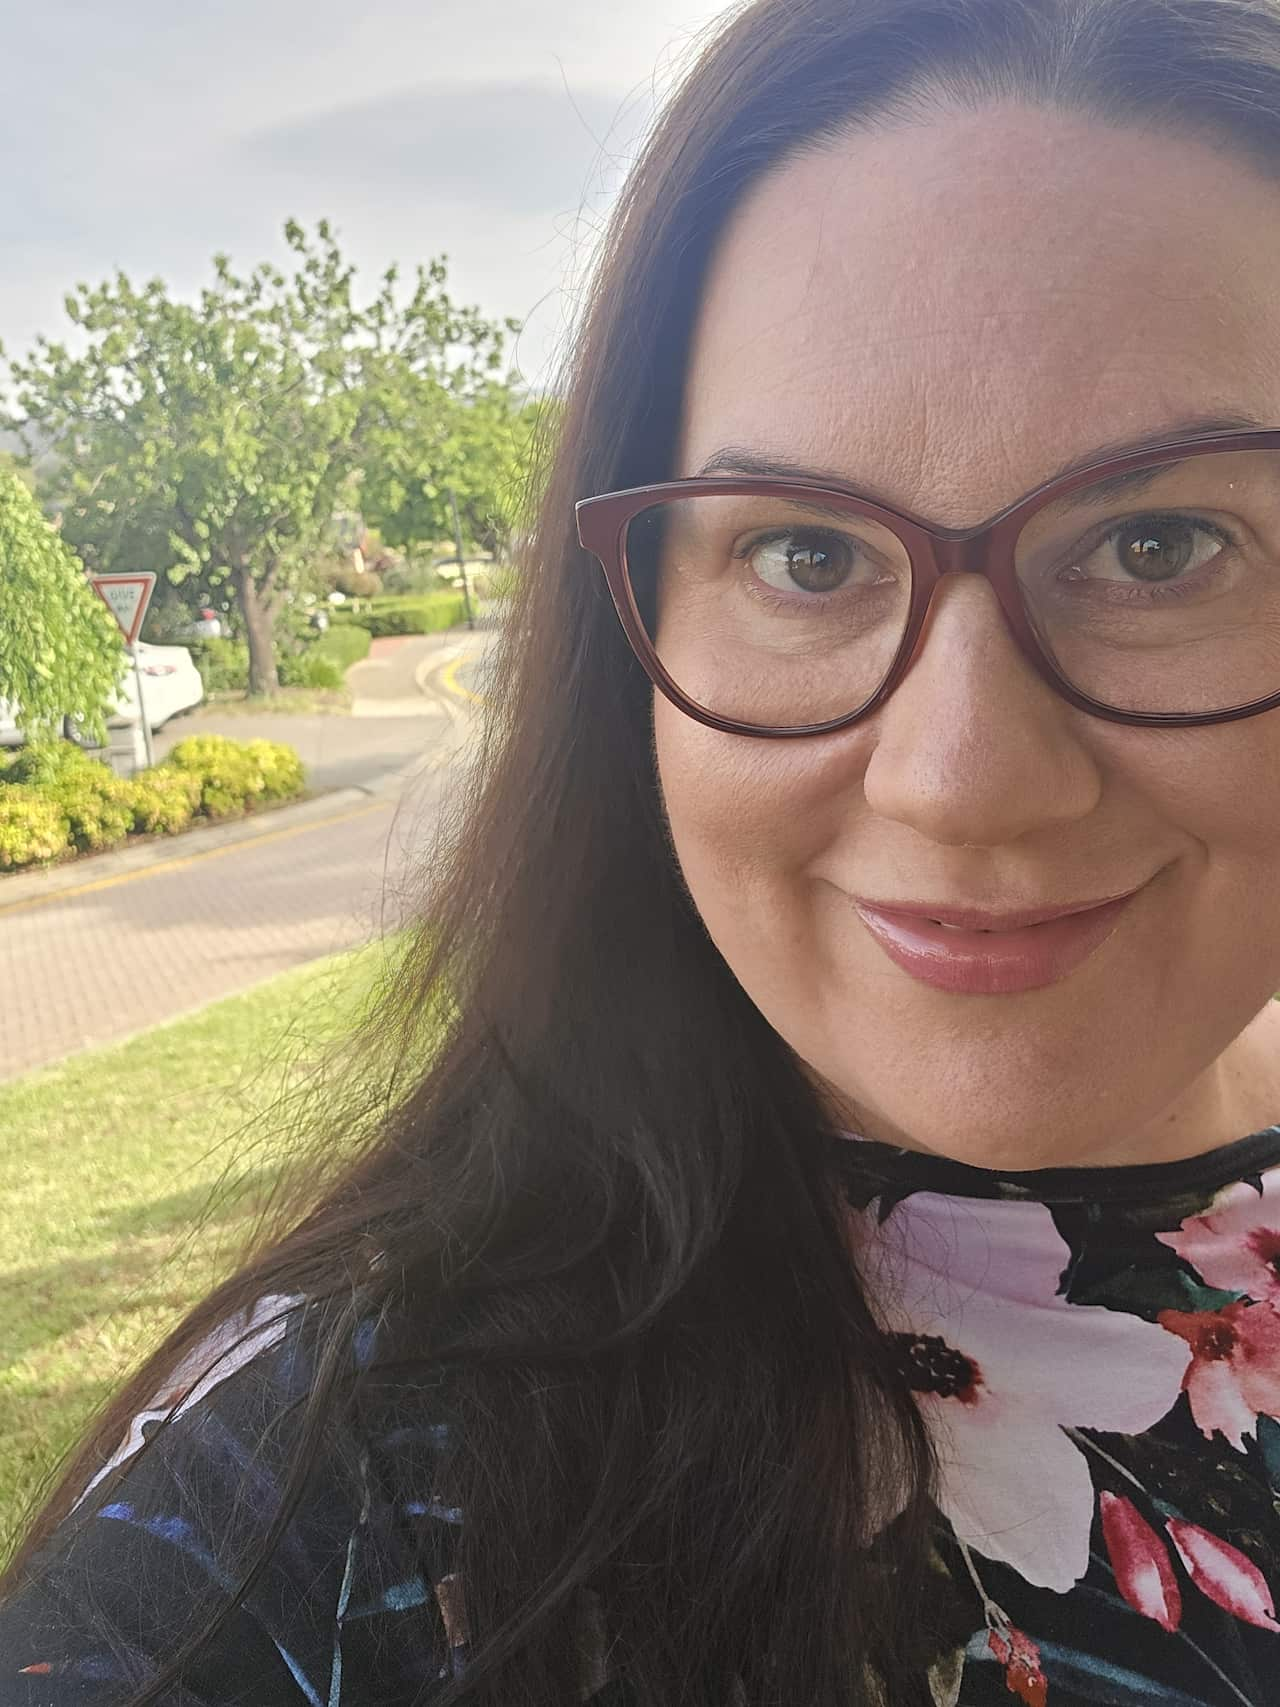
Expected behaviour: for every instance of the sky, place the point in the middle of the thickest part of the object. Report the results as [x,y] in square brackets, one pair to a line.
[148,135]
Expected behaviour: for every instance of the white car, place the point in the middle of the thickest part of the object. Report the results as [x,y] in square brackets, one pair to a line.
[171,684]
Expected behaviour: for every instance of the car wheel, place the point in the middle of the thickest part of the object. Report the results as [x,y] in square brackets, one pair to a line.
[74,731]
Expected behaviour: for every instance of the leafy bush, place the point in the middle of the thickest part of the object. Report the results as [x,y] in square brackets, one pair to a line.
[237,775]
[96,803]
[32,828]
[309,669]
[223,664]
[165,800]
[54,797]
[346,645]
[282,771]
[414,616]
[357,583]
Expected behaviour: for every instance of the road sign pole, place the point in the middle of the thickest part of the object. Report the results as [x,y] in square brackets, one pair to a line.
[462,567]
[148,748]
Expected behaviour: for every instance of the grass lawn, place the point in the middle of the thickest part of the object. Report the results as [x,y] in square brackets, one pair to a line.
[109,1223]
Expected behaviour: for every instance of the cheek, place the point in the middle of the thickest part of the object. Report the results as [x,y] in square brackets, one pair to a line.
[1218,786]
[750,819]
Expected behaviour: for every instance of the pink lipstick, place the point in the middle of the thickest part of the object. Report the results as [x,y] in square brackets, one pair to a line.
[966,952]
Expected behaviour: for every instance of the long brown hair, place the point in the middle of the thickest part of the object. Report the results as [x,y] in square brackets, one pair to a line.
[592,1195]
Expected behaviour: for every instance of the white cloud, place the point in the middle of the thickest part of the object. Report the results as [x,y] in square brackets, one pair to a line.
[147,136]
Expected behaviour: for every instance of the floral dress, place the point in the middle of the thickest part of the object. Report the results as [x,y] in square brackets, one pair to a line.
[1096,1353]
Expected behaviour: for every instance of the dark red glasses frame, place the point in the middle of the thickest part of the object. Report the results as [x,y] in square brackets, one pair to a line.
[933,552]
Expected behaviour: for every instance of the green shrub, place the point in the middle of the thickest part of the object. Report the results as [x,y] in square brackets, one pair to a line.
[414,616]
[32,828]
[309,669]
[282,771]
[346,645]
[96,803]
[223,664]
[235,776]
[230,781]
[165,800]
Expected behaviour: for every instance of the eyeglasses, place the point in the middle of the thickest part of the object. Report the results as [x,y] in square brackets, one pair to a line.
[1144,589]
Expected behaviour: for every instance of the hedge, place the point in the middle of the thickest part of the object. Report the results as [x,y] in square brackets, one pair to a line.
[56,800]
[402,615]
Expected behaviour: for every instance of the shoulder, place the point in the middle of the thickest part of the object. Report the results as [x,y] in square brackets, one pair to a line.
[222,1502]
[243,1339]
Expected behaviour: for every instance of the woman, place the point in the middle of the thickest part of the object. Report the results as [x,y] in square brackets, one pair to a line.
[833,1254]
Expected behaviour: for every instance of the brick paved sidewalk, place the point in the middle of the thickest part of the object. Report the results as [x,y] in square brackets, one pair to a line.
[141,940]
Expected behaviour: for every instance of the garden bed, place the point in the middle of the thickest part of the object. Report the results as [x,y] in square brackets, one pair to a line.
[58,804]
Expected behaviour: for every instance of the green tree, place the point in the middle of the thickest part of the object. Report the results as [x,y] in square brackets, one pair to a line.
[474,439]
[214,440]
[60,650]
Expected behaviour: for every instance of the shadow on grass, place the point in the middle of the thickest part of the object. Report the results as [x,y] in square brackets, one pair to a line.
[82,1294]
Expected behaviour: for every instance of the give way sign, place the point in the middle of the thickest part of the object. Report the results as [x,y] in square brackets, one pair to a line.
[127,598]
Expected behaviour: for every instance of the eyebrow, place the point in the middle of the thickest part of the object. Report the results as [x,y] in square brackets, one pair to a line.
[742,459]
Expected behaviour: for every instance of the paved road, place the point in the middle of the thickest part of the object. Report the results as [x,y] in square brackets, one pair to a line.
[403,710]
[129,945]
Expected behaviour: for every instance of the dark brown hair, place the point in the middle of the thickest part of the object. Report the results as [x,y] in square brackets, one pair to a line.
[597,1198]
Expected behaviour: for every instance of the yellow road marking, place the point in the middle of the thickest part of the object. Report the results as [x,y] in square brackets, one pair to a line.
[188,859]
[450,683]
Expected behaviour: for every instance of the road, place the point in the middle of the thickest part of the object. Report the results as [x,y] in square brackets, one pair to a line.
[405,703]
[132,945]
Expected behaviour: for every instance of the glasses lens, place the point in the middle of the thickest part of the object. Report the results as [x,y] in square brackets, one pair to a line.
[1159,590]
[770,611]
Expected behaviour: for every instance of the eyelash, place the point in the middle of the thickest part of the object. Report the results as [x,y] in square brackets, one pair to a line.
[1156,592]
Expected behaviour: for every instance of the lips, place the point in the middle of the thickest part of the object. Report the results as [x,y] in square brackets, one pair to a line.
[964,951]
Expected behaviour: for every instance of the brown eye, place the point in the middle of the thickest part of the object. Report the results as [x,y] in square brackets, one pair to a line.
[1151,550]
[1156,551]
[806,563]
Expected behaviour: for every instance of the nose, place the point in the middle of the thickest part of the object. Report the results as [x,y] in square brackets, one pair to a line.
[973,748]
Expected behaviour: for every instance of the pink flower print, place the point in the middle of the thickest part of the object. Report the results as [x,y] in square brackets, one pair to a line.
[1023,1672]
[1002,1366]
[1236,1246]
[1234,1375]
[1224,1574]
[1140,1559]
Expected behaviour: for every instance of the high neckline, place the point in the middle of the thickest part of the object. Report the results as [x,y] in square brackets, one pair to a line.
[879,1168]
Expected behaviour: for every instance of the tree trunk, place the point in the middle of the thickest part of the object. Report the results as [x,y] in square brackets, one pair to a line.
[259,628]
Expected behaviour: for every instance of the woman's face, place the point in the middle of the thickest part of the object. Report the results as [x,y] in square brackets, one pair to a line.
[945,314]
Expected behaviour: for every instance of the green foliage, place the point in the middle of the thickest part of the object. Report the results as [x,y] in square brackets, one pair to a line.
[282,771]
[55,798]
[215,440]
[33,830]
[310,669]
[165,800]
[480,442]
[60,651]
[357,583]
[223,664]
[426,615]
[96,804]
[236,776]
[345,645]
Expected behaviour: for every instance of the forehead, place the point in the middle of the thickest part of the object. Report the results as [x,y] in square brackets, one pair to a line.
[947,312]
